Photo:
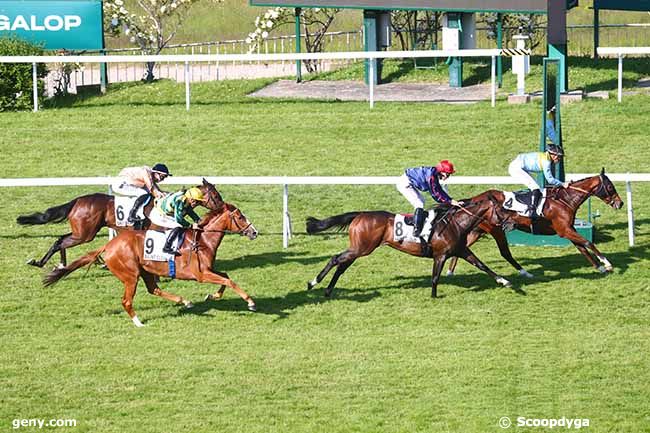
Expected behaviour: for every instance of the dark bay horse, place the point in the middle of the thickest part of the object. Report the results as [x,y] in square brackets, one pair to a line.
[88,214]
[559,216]
[123,256]
[369,230]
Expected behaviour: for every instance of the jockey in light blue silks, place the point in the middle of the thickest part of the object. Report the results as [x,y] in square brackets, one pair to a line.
[526,163]
[425,179]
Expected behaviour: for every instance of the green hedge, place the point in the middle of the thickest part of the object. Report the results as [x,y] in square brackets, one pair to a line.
[16,78]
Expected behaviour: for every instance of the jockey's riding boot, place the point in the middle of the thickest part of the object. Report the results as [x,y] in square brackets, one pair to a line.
[418,221]
[137,204]
[167,248]
[534,202]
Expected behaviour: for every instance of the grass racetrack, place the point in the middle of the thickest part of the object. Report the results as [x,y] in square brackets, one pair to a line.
[380,355]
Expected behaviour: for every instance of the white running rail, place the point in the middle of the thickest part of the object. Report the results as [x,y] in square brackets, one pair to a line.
[621,52]
[285,181]
[186,59]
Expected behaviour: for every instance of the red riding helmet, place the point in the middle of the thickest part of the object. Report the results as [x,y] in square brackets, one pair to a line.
[445,166]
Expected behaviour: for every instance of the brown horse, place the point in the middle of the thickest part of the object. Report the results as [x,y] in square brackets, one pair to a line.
[369,230]
[123,256]
[88,214]
[559,216]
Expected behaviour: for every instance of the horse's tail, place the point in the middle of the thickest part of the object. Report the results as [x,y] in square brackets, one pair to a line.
[340,221]
[58,273]
[54,214]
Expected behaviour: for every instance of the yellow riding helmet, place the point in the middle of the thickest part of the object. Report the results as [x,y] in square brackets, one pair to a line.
[194,193]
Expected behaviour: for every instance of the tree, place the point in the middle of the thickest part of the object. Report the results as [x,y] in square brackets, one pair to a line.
[526,24]
[152,30]
[315,23]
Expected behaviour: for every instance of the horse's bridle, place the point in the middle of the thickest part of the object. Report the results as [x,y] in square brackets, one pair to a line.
[601,186]
[239,231]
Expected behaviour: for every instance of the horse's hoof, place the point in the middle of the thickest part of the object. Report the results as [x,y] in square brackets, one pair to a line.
[59,266]
[602,269]
[33,262]
[504,282]
[450,273]
[208,297]
[188,305]
[309,286]
[252,307]
[525,273]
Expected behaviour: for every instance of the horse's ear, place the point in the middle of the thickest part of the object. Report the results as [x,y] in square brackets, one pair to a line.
[205,182]
[602,172]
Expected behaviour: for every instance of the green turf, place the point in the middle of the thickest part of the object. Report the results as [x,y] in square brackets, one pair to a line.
[381,355]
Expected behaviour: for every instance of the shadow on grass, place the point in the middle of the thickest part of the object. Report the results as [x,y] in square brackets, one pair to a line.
[263,260]
[278,306]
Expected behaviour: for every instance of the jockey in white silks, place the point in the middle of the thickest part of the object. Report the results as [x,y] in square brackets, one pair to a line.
[140,182]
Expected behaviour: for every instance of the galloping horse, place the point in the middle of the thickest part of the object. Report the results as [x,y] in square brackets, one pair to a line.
[369,230]
[123,256]
[559,216]
[88,214]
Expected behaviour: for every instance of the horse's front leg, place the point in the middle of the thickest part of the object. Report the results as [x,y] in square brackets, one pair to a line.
[471,258]
[209,276]
[583,245]
[438,265]
[152,287]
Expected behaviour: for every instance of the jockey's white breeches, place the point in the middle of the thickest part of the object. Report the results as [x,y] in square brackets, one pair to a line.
[515,170]
[412,195]
[122,187]
[160,219]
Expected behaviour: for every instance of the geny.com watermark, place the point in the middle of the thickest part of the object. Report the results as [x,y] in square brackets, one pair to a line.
[522,421]
[40,423]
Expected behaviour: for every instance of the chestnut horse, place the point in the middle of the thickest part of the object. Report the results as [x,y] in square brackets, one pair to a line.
[559,216]
[123,256]
[88,214]
[369,230]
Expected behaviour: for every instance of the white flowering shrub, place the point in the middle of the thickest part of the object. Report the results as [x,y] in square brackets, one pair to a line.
[314,22]
[152,30]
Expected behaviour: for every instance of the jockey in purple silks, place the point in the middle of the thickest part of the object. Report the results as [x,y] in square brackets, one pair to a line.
[425,179]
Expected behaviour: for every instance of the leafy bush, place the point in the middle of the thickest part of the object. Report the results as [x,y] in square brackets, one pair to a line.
[16,78]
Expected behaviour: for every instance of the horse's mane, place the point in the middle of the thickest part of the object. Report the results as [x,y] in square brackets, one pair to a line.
[216,213]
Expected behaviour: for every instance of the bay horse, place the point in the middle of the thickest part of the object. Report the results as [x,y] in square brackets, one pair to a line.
[369,230]
[559,215]
[123,256]
[88,214]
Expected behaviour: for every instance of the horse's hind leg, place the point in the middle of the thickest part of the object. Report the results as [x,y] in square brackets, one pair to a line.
[343,261]
[56,246]
[130,286]
[328,267]
[152,287]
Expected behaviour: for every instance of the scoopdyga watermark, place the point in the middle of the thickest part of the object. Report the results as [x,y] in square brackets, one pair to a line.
[525,422]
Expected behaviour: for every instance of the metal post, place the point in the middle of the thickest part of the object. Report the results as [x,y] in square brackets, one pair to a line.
[596,32]
[620,77]
[35,86]
[286,227]
[630,213]
[493,75]
[111,232]
[297,13]
[187,85]
[371,82]
[500,46]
